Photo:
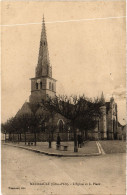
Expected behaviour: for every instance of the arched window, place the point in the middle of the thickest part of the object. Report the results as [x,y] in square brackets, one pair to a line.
[40,85]
[61,126]
[49,85]
[52,87]
[36,85]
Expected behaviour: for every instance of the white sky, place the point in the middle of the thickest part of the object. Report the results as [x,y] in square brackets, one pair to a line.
[87,56]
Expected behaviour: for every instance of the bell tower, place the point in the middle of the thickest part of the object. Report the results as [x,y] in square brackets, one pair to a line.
[43,85]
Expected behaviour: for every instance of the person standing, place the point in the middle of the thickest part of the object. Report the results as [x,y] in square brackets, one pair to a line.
[58,141]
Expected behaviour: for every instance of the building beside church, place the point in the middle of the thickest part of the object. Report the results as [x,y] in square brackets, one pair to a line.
[43,85]
[107,124]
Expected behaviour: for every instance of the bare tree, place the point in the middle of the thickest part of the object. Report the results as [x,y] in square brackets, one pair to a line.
[81,111]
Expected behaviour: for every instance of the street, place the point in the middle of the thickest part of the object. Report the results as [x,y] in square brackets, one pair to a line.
[28,173]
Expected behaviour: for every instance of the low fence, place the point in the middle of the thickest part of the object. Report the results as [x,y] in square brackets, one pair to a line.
[40,137]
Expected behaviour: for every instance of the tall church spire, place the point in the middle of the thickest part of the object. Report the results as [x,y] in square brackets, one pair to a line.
[102,98]
[43,67]
[43,85]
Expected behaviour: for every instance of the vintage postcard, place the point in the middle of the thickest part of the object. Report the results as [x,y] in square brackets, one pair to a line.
[63,116]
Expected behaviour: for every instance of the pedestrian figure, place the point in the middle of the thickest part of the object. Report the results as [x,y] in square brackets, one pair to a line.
[58,141]
[80,141]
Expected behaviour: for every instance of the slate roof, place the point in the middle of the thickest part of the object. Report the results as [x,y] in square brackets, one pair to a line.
[25,110]
[30,109]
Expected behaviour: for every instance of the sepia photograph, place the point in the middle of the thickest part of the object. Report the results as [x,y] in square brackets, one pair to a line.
[63,97]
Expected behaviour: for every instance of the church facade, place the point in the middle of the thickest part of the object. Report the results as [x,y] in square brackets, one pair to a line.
[43,85]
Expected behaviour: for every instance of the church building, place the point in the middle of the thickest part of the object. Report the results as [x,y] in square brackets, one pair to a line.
[43,85]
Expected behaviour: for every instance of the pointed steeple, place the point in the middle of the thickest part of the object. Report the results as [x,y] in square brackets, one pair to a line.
[102,98]
[112,98]
[43,67]
[43,85]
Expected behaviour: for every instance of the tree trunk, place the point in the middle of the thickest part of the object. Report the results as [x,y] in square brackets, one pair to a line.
[9,136]
[50,140]
[20,137]
[86,134]
[5,137]
[75,140]
[50,144]
[25,138]
[13,137]
[35,138]
[52,135]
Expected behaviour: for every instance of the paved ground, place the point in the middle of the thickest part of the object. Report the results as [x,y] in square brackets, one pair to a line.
[113,146]
[103,174]
[88,148]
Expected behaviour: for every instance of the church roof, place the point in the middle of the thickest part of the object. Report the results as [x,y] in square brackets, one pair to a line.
[42,110]
[25,110]
[30,109]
